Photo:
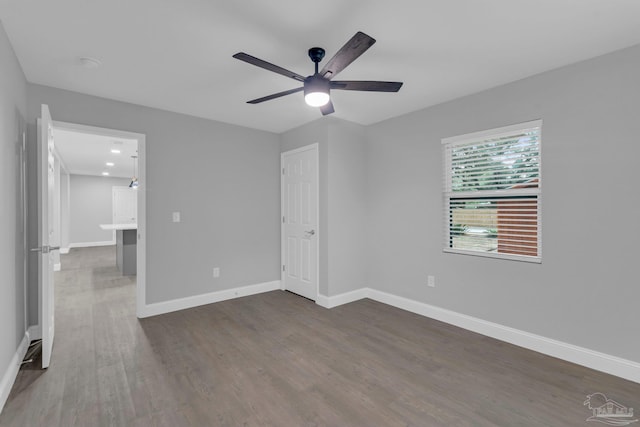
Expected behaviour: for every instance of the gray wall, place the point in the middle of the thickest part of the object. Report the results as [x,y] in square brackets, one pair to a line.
[13,109]
[224,179]
[586,290]
[347,209]
[91,204]
[342,200]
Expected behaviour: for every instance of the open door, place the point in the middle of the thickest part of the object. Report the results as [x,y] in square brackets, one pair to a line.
[46,194]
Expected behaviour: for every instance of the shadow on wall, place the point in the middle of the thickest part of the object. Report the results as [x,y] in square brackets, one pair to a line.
[32,226]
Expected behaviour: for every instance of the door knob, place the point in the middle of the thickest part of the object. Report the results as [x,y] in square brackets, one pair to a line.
[310,233]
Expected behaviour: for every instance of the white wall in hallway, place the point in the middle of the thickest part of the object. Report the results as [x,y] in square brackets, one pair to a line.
[90,206]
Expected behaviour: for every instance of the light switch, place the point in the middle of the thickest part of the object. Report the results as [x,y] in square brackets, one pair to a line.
[176,217]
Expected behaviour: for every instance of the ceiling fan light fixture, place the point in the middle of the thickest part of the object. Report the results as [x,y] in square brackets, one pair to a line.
[316,91]
[316,99]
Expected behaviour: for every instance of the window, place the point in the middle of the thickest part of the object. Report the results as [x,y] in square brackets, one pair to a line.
[492,190]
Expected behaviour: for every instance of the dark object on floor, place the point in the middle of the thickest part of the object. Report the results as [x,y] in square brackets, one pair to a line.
[32,352]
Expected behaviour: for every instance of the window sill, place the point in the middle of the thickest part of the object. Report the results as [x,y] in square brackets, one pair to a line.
[521,258]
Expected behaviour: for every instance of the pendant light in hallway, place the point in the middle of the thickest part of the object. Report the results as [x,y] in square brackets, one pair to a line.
[134,179]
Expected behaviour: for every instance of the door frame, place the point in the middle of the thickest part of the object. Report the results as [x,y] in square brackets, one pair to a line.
[141,284]
[24,208]
[314,147]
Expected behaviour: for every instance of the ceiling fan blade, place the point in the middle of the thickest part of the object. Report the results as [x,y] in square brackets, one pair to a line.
[267,66]
[348,53]
[275,95]
[370,86]
[327,108]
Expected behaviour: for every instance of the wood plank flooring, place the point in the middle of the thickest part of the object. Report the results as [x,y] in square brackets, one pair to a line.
[277,359]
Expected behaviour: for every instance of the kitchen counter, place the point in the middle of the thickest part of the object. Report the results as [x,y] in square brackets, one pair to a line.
[126,247]
[119,226]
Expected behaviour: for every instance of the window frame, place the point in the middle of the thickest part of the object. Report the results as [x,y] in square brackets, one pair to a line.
[448,194]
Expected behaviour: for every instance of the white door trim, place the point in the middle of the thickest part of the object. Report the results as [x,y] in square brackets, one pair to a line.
[314,147]
[141,284]
[24,204]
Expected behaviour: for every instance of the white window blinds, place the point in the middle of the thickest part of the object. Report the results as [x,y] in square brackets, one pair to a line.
[492,188]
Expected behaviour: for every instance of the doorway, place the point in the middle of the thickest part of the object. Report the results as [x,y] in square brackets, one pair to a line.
[123,156]
[300,220]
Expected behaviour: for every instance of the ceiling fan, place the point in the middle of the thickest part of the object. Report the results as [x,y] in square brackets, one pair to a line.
[318,86]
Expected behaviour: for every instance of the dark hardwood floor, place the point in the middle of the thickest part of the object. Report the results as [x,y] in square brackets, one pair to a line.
[276,359]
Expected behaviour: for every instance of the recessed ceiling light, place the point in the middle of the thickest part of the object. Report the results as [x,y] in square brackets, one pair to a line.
[115,151]
[88,62]
[105,173]
[110,164]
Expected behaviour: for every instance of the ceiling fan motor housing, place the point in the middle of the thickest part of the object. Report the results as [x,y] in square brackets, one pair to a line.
[316,54]
[316,83]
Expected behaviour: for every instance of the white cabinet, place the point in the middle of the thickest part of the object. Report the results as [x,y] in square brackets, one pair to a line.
[125,205]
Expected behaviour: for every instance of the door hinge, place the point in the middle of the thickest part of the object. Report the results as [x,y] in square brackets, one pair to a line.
[283,219]
[282,171]
[283,267]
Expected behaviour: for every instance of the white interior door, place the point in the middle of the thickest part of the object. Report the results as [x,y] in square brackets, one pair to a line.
[46,194]
[300,221]
[125,205]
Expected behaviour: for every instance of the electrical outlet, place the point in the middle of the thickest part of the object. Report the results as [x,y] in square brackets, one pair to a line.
[216,272]
[431,281]
[176,216]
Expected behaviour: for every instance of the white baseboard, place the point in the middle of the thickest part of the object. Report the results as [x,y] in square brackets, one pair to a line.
[92,244]
[603,362]
[197,300]
[11,372]
[64,251]
[345,298]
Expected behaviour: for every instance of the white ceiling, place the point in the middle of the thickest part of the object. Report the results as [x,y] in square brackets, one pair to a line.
[87,154]
[176,54]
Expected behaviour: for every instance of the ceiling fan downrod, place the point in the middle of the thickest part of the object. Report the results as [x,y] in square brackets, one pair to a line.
[316,54]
